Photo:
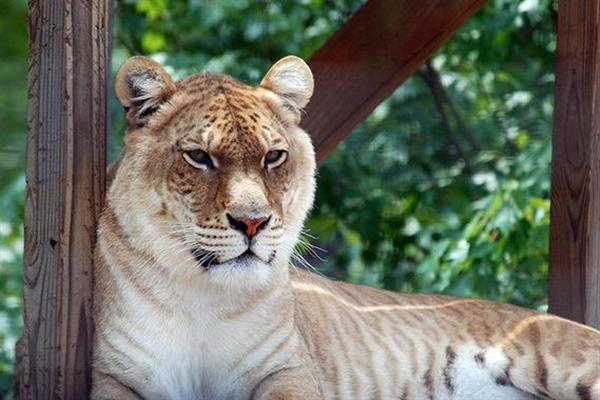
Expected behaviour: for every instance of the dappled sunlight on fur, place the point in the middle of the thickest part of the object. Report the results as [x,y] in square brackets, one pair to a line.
[303,287]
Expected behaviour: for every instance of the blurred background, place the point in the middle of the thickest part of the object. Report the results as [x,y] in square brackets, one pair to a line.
[444,188]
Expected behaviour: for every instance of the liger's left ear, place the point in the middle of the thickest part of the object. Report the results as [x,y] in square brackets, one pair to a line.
[142,86]
[291,79]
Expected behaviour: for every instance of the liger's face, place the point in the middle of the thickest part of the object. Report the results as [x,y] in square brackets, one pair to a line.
[232,177]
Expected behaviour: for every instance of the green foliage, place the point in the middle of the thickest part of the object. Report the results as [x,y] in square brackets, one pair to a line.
[13,81]
[450,198]
[404,210]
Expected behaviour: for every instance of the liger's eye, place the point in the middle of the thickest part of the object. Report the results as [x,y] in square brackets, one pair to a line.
[199,159]
[275,158]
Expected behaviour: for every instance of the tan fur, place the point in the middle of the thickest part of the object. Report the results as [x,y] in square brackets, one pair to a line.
[181,313]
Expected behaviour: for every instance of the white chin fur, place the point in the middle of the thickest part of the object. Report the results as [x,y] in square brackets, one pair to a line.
[245,273]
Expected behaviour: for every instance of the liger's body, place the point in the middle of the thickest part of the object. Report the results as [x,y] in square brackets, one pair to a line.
[195,298]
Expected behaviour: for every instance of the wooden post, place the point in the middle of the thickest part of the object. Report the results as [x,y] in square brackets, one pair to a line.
[379,47]
[66,164]
[574,278]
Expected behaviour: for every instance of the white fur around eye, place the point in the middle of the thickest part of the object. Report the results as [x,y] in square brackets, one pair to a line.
[199,165]
[275,163]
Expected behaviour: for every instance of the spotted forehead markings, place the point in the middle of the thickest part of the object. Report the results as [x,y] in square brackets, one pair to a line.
[263,120]
[237,110]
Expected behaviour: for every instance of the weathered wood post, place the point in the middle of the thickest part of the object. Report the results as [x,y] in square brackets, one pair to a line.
[574,279]
[66,164]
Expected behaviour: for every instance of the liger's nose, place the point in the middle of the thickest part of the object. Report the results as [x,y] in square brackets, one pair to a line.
[248,226]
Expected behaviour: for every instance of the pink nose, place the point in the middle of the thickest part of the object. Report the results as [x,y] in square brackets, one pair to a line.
[249,226]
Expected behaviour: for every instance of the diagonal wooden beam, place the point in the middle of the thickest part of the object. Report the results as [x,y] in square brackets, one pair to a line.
[378,48]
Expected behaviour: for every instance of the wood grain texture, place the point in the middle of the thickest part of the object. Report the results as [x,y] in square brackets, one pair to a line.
[574,278]
[66,164]
[379,47]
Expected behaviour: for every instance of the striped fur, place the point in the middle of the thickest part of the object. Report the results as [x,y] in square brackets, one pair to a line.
[187,307]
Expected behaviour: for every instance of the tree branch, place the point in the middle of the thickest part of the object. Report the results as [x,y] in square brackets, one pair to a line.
[426,73]
[446,98]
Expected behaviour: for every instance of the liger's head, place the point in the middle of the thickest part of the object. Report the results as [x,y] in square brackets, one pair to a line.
[216,177]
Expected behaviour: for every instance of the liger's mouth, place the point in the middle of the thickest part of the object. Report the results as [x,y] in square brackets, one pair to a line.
[208,259]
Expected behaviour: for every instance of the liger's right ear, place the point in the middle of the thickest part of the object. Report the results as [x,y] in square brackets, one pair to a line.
[292,80]
[142,86]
